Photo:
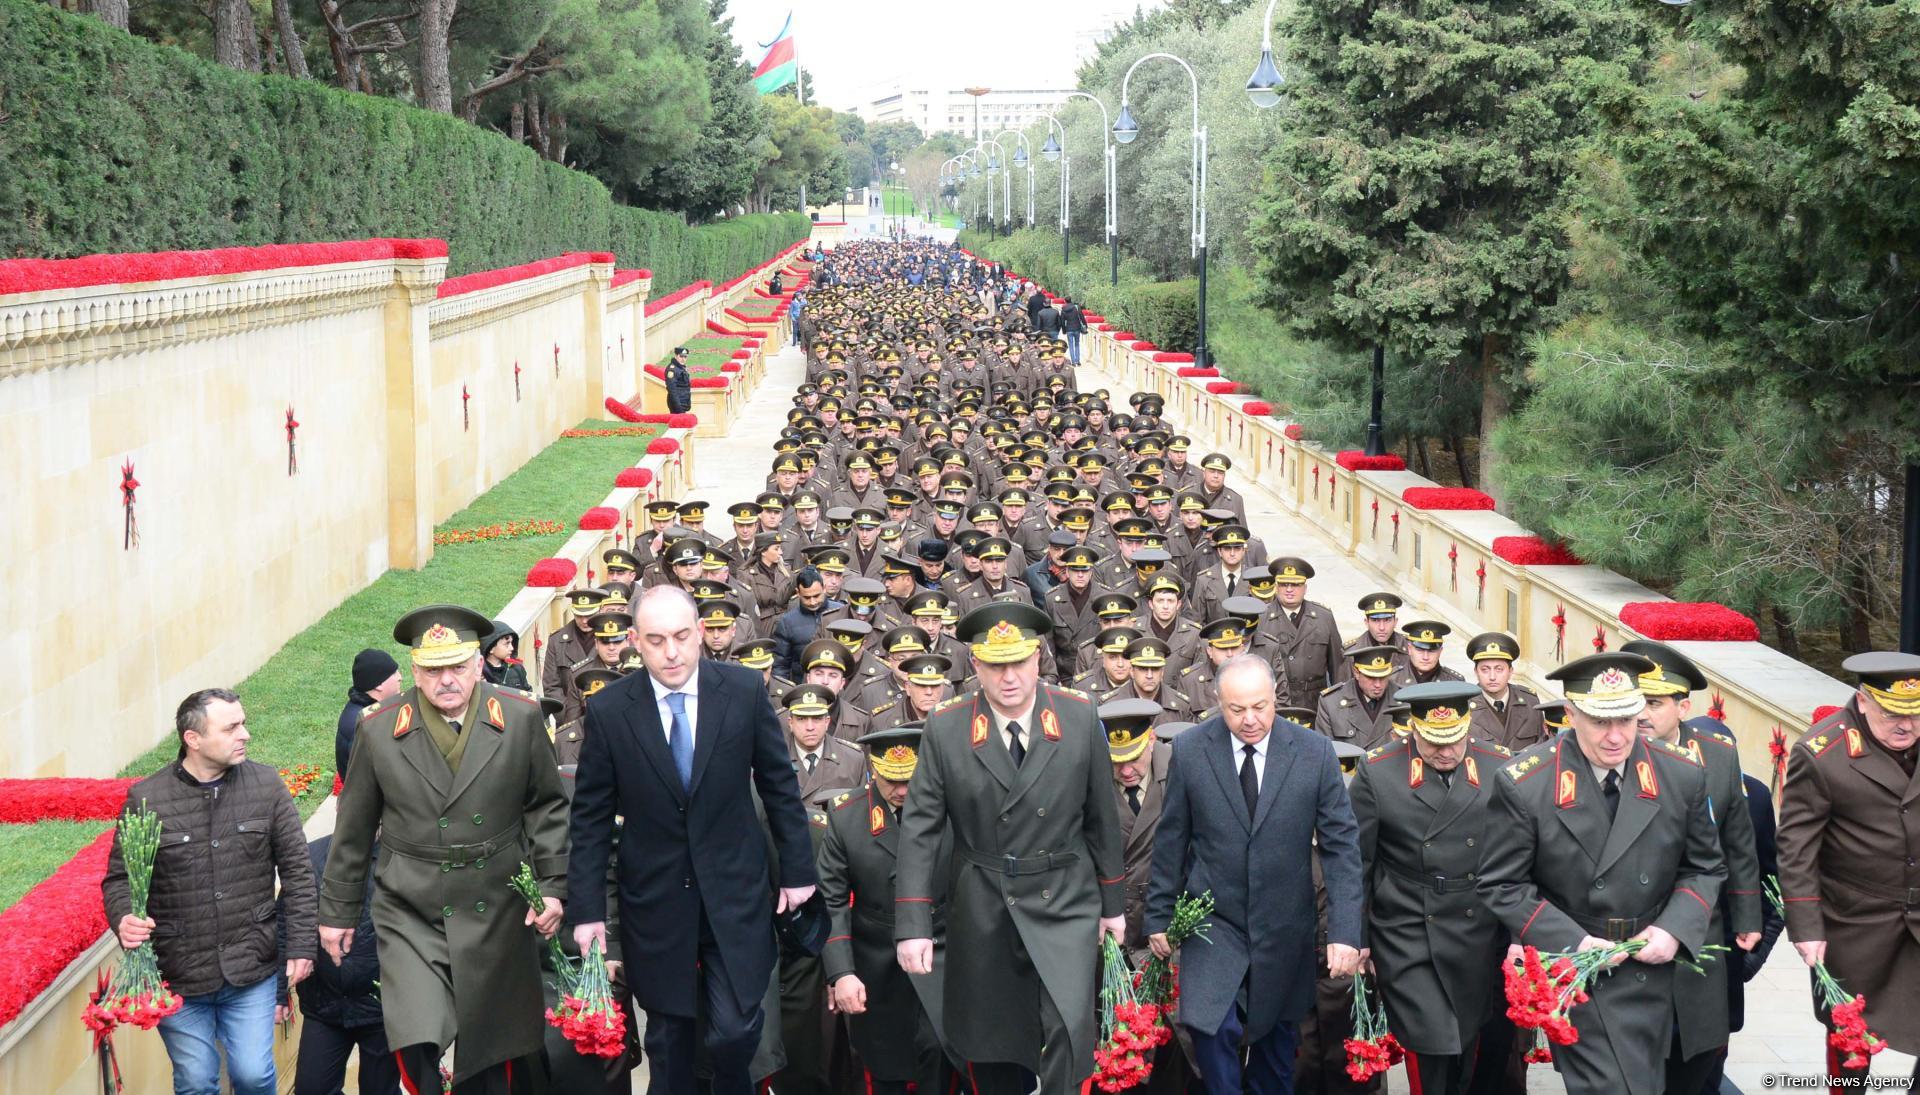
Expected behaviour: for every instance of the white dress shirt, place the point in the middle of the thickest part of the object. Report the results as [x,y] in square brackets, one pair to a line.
[691,690]
[1025,719]
[1259,757]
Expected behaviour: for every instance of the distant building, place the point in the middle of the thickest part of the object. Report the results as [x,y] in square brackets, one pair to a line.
[937,110]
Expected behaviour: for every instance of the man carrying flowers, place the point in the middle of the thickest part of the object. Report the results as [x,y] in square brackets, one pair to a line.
[202,841]
[1600,839]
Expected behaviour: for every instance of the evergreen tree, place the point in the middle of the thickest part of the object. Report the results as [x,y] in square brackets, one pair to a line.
[717,173]
[1418,195]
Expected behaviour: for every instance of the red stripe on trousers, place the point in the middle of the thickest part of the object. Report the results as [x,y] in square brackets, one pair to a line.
[1413,1073]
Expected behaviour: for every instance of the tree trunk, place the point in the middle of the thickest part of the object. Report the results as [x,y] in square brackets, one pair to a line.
[290,47]
[346,67]
[517,121]
[1858,635]
[537,122]
[111,12]
[1459,450]
[436,78]
[1784,636]
[1420,449]
[1495,402]
[235,39]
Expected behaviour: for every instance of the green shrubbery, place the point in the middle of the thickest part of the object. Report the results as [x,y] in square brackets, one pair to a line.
[111,143]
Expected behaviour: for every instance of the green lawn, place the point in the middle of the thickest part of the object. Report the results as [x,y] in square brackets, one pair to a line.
[706,353]
[894,201]
[293,701]
[29,853]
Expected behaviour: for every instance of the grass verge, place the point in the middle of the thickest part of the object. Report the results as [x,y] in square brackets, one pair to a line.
[29,853]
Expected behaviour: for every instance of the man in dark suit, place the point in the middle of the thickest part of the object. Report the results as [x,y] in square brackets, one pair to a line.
[680,751]
[1249,796]
[1019,771]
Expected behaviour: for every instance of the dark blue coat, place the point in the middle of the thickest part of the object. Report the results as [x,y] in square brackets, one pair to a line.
[704,853]
[792,631]
[1259,868]
[357,701]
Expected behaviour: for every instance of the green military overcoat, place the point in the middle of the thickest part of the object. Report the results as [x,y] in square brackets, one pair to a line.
[1055,815]
[456,957]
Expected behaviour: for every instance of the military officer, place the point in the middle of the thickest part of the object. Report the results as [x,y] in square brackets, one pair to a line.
[893,1018]
[623,569]
[1701,1004]
[569,737]
[1139,786]
[612,634]
[925,687]
[1504,712]
[1213,486]
[757,654]
[1221,639]
[1356,709]
[1849,834]
[458,778]
[1147,680]
[1071,604]
[820,761]
[1308,639]
[569,642]
[1034,894]
[1425,638]
[1422,809]
[1382,612]
[1108,653]
[1576,823]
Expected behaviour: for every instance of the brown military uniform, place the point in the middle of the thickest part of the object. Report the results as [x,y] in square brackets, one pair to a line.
[1344,714]
[1516,728]
[1849,841]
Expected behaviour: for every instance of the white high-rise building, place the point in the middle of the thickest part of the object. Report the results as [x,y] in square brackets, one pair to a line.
[951,110]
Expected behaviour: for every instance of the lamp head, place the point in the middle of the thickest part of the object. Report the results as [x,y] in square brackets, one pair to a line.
[1263,87]
[1051,150]
[1125,129]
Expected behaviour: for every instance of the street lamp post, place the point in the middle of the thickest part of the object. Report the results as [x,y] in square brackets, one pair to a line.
[1113,224]
[1125,129]
[993,168]
[1022,157]
[1058,152]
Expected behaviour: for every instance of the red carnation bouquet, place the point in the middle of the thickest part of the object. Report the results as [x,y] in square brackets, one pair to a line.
[1373,1049]
[1543,989]
[136,995]
[587,1014]
[1129,1030]
[1849,1039]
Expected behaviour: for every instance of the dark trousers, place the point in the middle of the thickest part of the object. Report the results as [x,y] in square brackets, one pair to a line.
[726,1029]
[1058,1073]
[1691,1075]
[419,1067]
[1269,1061]
[324,1048]
[1438,1073]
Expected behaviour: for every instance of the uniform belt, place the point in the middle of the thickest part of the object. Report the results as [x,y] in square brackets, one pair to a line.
[1015,866]
[450,856]
[1438,883]
[1616,929]
[1909,896]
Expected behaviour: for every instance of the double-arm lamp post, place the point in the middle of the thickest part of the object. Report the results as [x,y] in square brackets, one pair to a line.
[1125,129]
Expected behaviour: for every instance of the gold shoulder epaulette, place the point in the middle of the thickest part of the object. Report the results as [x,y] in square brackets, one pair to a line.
[519,694]
[1673,750]
[842,799]
[1331,689]
[882,709]
[1493,747]
[1074,692]
[1189,669]
[945,704]
[818,819]
[1715,735]
[1524,767]
[1820,743]
[1379,751]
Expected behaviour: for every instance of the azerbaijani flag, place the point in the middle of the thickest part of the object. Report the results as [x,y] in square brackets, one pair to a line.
[779,67]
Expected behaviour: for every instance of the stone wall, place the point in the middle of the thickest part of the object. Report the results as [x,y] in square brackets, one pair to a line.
[404,388]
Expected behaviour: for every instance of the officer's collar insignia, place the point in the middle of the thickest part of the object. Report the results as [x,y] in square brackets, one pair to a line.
[1416,772]
[1856,747]
[1566,793]
[1693,748]
[1049,726]
[979,731]
[1473,772]
[494,714]
[1649,786]
[404,722]
[877,820]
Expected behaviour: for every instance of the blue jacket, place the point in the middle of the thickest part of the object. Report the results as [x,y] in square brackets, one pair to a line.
[792,631]
[357,701]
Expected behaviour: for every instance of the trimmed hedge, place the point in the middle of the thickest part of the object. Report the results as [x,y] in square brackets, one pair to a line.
[115,144]
[1165,313]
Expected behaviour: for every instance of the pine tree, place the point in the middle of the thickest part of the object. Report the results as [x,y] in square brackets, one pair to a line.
[1417,198]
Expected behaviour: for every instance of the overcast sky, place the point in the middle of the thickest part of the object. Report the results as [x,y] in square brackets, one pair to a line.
[848,47]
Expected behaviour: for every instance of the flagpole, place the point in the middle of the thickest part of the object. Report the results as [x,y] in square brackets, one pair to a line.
[800,92]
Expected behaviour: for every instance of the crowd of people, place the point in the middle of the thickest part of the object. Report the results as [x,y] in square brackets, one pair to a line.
[850,786]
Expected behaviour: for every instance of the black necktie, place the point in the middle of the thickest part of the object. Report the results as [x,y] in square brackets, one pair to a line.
[1446,778]
[1611,792]
[1500,708]
[1015,745]
[812,759]
[1249,780]
[1133,798]
[455,724]
[1232,580]
[1293,618]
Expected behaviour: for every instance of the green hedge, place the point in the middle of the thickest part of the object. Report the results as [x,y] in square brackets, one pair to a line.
[1165,313]
[110,143]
